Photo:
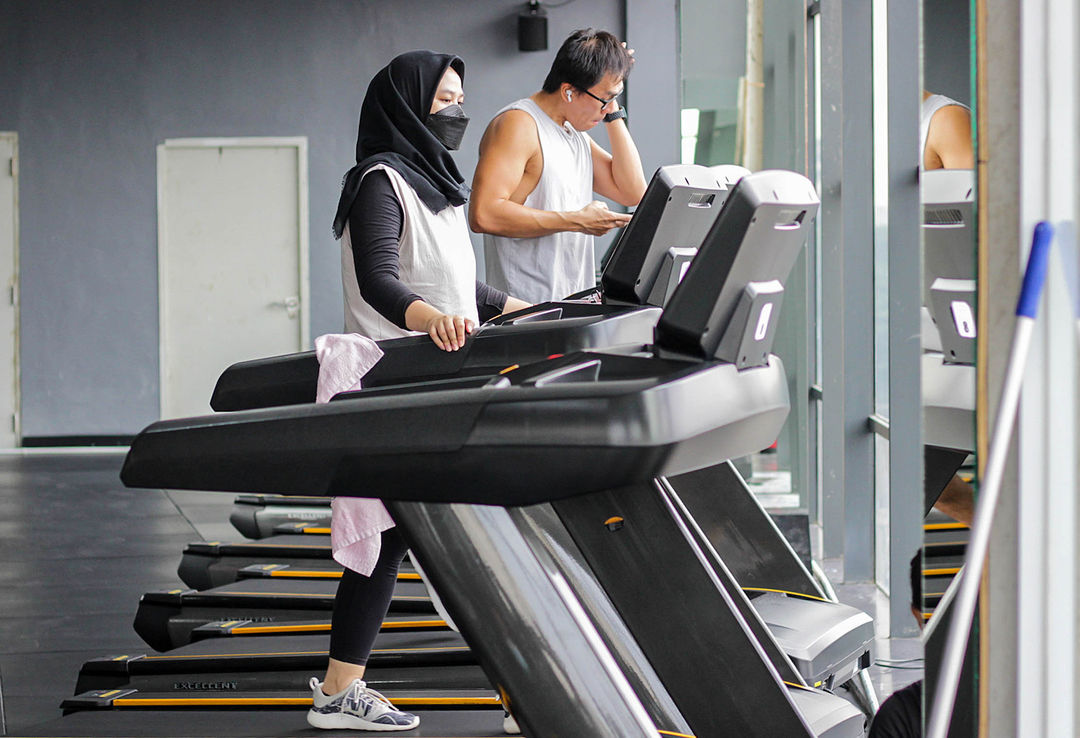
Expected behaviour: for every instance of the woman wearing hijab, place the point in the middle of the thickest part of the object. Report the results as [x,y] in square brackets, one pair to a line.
[407,266]
[407,260]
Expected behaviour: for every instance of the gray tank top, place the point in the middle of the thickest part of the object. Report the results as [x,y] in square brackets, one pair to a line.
[554,266]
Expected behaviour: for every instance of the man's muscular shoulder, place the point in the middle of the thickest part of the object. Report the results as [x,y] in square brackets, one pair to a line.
[512,144]
[512,128]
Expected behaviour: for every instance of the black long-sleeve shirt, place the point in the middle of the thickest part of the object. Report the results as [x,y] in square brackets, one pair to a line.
[375,224]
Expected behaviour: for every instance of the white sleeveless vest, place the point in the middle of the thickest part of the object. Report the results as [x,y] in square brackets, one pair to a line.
[930,106]
[436,261]
[554,266]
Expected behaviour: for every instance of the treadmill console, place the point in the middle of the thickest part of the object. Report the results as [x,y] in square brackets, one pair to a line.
[748,252]
[679,206]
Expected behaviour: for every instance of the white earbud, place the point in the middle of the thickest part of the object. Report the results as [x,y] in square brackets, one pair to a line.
[568,96]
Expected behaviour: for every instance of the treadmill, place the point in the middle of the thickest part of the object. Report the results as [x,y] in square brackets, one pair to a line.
[784,591]
[829,643]
[649,258]
[587,425]
[166,618]
[680,205]
[256,516]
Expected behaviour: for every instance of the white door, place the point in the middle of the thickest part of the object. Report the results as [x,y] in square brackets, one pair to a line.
[232,260]
[9,290]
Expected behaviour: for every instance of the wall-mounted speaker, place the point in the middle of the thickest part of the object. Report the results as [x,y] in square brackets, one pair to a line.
[532,28]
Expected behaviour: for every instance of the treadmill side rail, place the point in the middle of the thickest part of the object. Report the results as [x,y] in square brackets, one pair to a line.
[472,445]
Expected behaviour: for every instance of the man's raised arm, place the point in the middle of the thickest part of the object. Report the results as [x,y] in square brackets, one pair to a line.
[618,176]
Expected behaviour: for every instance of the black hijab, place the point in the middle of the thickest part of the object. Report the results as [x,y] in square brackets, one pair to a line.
[392,132]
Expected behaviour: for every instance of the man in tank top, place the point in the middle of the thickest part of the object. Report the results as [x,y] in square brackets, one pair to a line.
[532,194]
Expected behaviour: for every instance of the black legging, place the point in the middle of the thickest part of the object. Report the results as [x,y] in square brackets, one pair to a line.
[362,602]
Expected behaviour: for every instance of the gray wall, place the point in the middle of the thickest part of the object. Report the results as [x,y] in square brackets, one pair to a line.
[947,48]
[93,87]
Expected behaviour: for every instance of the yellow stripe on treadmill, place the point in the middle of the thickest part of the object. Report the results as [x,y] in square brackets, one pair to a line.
[389,624]
[325,627]
[945,526]
[256,544]
[230,655]
[111,692]
[309,628]
[283,595]
[418,649]
[800,686]
[286,595]
[784,591]
[318,531]
[404,576]
[306,574]
[677,735]
[940,572]
[422,649]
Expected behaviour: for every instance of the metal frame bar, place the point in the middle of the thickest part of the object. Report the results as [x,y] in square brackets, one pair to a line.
[16,421]
[905,298]
[847,509]
[810,481]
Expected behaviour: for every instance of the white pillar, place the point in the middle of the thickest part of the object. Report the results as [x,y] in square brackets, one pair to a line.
[1047,545]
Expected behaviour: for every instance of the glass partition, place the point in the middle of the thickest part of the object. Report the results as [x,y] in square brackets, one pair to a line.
[745,95]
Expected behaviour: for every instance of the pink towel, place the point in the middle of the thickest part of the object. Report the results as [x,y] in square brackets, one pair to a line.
[355,522]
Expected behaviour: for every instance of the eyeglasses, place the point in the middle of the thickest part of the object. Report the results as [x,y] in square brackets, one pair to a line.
[603,103]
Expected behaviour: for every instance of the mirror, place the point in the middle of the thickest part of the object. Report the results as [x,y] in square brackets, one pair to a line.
[768,84]
[745,96]
[948,194]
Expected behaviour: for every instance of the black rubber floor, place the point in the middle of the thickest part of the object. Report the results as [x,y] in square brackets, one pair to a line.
[444,724]
[76,551]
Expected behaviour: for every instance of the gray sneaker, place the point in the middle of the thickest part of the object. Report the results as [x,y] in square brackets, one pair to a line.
[356,707]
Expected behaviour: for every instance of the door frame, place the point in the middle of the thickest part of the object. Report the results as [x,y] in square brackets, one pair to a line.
[13,292]
[300,143]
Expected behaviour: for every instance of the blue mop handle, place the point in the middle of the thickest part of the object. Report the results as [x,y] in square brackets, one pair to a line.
[1035,274]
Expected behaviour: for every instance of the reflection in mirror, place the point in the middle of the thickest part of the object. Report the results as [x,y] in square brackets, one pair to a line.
[948,367]
[744,101]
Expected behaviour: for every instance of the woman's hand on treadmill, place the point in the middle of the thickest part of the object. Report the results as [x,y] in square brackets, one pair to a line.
[447,331]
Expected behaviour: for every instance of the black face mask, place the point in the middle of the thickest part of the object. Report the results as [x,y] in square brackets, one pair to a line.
[448,125]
